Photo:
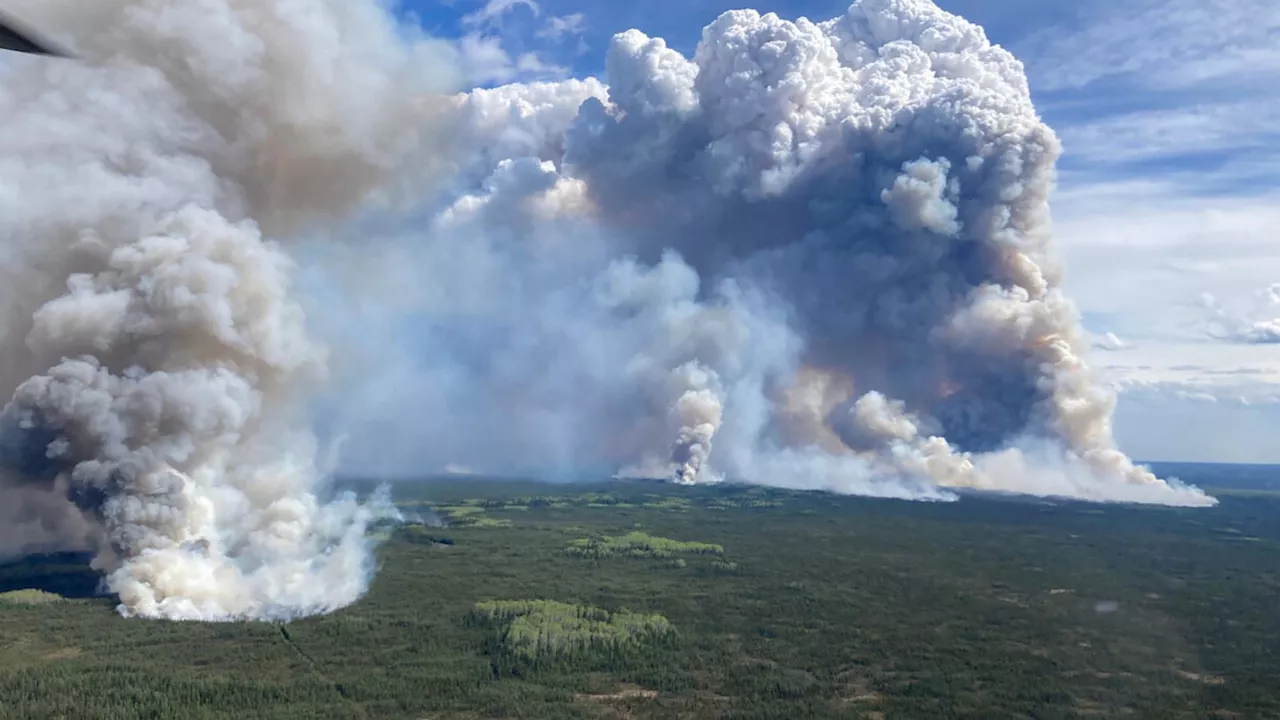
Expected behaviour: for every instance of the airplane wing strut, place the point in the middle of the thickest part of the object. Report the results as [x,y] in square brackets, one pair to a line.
[15,37]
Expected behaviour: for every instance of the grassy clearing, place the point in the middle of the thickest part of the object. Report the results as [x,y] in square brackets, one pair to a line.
[30,597]
[638,545]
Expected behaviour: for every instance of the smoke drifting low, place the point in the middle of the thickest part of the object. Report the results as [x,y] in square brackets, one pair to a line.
[813,255]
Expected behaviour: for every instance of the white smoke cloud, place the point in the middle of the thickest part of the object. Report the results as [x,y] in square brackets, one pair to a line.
[811,255]
[157,362]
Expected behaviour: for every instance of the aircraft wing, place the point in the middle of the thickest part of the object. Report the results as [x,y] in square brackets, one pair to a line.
[19,39]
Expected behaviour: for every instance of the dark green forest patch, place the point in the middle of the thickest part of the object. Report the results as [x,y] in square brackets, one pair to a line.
[810,606]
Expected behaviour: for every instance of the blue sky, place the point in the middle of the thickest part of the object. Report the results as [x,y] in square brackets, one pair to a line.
[1168,210]
[573,34]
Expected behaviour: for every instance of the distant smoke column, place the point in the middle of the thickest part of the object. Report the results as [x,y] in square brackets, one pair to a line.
[698,412]
[166,362]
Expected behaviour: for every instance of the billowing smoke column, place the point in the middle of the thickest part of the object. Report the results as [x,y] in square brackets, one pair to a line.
[812,255]
[156,361]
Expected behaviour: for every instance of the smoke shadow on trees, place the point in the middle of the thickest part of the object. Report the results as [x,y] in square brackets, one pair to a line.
[66,573]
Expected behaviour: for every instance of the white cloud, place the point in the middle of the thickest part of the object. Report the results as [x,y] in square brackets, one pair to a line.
[1109,342]
[484,60]
[1185,88]
[558,27]
[531,64]
[1251,125]
[1196,401]
[484,48]
[1163,44]
[1205,371]
[493,10]
[1258,323]
[1174,424]
[1141,253]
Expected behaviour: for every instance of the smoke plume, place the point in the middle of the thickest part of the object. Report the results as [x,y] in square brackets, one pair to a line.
[813,254]
[157,363]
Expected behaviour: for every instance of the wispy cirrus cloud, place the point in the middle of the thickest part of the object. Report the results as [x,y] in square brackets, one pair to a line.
[557,27]
[1187,132]
[1109,342]
[1256,323]
[1169,113]
[496,46]
[1165,45]
[492,12]
[1141,255]
[1164,86]
[1209,413]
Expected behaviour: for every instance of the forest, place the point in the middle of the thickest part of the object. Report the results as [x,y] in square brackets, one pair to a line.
[516,599]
